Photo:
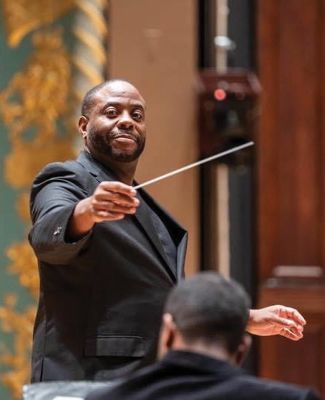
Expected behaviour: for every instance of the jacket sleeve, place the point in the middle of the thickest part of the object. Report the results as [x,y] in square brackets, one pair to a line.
[55,193]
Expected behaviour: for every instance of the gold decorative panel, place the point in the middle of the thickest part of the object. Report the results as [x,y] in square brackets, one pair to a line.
[37,104]
[21,323]
[35,99]
[24,16]
[38,95]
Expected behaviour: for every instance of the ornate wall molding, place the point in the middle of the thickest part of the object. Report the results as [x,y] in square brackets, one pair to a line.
[90,55]
[37,107]
[30,107]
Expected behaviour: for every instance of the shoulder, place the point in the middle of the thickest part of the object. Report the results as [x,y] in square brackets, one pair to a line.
[58,169]
[269,389]
[132,387]
[69,175]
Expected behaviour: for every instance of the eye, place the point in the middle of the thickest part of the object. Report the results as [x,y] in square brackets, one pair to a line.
[138,115]
[111,112]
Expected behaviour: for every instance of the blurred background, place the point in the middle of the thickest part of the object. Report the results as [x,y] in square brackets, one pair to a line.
[215,74]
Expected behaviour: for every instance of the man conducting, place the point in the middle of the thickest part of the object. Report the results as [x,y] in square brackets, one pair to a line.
[108,254]
[202,342]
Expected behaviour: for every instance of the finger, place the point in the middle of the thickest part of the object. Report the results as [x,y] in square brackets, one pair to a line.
[289,334]
[117,198]
[109,207]
[295,315]
[107,204]
[101,216]
[118,187]
[112,207]
[297,330]
[283,322]
[300,328]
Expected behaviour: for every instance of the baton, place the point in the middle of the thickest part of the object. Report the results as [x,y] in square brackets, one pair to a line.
[195,164]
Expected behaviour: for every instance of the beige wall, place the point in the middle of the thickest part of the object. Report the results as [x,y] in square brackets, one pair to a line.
[153,44]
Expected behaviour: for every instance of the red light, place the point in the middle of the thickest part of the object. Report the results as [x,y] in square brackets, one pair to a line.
[220,94]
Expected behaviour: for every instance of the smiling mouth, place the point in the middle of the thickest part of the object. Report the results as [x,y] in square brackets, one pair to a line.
[123,133]
[125,139]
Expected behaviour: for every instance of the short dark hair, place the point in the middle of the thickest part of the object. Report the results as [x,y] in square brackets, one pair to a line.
[210,308]
[87,102]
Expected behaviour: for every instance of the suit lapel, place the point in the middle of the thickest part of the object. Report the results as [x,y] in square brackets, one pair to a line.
[176,231]
[95,168]
[144,219]
[181,252]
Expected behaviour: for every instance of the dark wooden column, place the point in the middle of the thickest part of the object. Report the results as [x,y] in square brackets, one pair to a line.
[291,195]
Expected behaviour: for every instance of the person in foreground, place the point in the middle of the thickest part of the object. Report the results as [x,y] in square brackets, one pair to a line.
[108,255]
[202,343]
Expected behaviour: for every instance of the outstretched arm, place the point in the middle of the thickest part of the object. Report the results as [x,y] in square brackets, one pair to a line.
[276,320]
[64,211]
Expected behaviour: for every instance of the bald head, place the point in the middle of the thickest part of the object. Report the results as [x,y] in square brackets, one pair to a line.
[113,124]
[113,86]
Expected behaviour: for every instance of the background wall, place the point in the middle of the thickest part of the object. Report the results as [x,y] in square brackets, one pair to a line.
[153,44]
[291,196]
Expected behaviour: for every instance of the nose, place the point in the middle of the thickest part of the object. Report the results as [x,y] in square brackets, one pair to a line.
[125,121]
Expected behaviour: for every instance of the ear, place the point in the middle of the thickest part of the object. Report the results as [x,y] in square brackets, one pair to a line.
[82,126]
[167,335]
[243,349]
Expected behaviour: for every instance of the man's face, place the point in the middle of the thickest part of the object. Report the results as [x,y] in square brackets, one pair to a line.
[116,129]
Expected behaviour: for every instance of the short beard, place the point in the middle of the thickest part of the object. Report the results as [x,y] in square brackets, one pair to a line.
[118,155]
[102,146]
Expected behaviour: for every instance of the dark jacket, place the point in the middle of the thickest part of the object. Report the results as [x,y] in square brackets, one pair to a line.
[192,376]
[101,297]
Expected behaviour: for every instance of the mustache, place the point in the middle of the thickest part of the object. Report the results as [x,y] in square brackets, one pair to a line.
[124,133]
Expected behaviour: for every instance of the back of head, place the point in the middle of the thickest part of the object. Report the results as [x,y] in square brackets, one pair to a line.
[210,309]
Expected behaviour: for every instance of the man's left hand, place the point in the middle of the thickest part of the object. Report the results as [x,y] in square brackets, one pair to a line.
[276,320]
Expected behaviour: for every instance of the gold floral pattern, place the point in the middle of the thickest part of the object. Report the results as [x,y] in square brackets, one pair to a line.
[24,16]
[24,265]
[37,106]
[31,105]
[22,324]
[37,96]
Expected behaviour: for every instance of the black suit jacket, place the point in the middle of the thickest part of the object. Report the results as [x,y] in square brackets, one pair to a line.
[101,297]
[192,376]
